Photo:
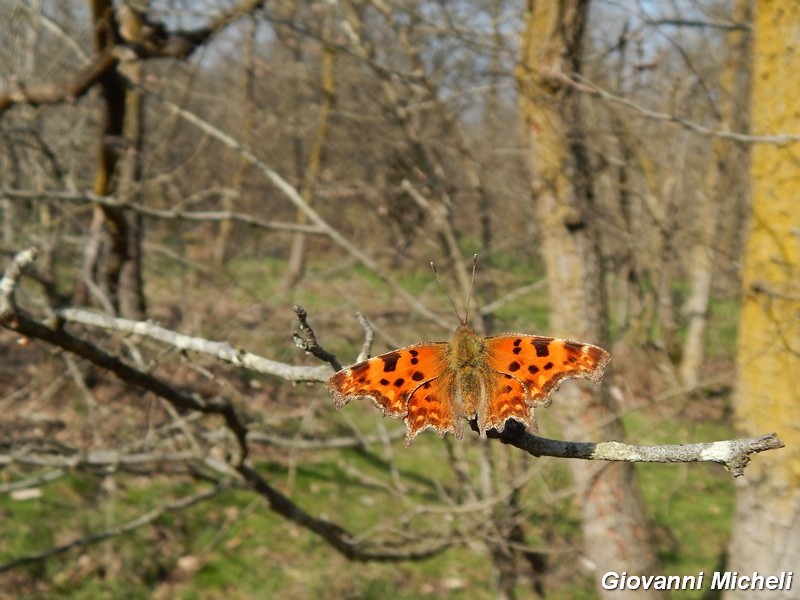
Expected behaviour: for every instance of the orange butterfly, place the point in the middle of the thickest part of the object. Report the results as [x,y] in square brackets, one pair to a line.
[493,379]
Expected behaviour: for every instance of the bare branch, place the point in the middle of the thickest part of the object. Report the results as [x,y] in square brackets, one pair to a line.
[96,458]
[9,281]
[113,532]
[734,455]
[159,42]
[172,214]
[337,537]
[583,85]
[291,193]
[308,340]
[222,350]
[62,92]
[31,482]
[156,41]
[54,334]
[723,25]
[369,337]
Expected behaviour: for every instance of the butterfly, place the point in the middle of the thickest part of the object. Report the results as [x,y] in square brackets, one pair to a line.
[491,380]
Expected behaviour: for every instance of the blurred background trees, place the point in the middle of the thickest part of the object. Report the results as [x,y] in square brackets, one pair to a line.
[206,165]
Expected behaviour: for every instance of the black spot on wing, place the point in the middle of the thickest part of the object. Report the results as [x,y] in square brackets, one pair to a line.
[541,346]
[390,361]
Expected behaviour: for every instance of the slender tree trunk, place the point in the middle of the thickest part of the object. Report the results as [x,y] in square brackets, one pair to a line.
[765,537]
[719,196]
[130,287]
[313,167]
[112,257]
[222,239]
[614,525]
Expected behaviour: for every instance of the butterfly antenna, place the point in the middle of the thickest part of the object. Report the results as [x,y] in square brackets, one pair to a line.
[471,282]
[446,293]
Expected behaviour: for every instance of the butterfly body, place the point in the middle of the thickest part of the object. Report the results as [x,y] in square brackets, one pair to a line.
[491,380]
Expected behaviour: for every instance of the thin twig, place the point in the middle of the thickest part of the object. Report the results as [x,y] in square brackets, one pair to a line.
[583,85]
[307,341]
[171,214]
[369,337]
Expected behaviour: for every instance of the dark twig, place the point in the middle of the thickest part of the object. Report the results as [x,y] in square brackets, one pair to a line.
[307,340]
[334,534]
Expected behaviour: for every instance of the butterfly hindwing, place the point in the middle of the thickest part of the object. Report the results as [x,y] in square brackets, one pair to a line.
[432,405]
[505,399]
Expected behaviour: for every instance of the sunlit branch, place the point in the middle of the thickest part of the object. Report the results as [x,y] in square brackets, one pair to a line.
[734,455]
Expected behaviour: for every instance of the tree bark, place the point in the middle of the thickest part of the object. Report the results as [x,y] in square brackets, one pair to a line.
[768,397]
[615,529]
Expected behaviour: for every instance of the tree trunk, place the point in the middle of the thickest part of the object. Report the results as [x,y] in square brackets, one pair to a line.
[313,168]
[112,258]
[768,398]
[719,197]
[614,525]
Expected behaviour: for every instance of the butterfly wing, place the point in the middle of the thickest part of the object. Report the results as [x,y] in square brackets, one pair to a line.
[390,379]
[529,368]
[432,405]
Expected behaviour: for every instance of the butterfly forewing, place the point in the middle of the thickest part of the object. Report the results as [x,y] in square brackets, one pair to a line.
[541,363]
[389,379]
